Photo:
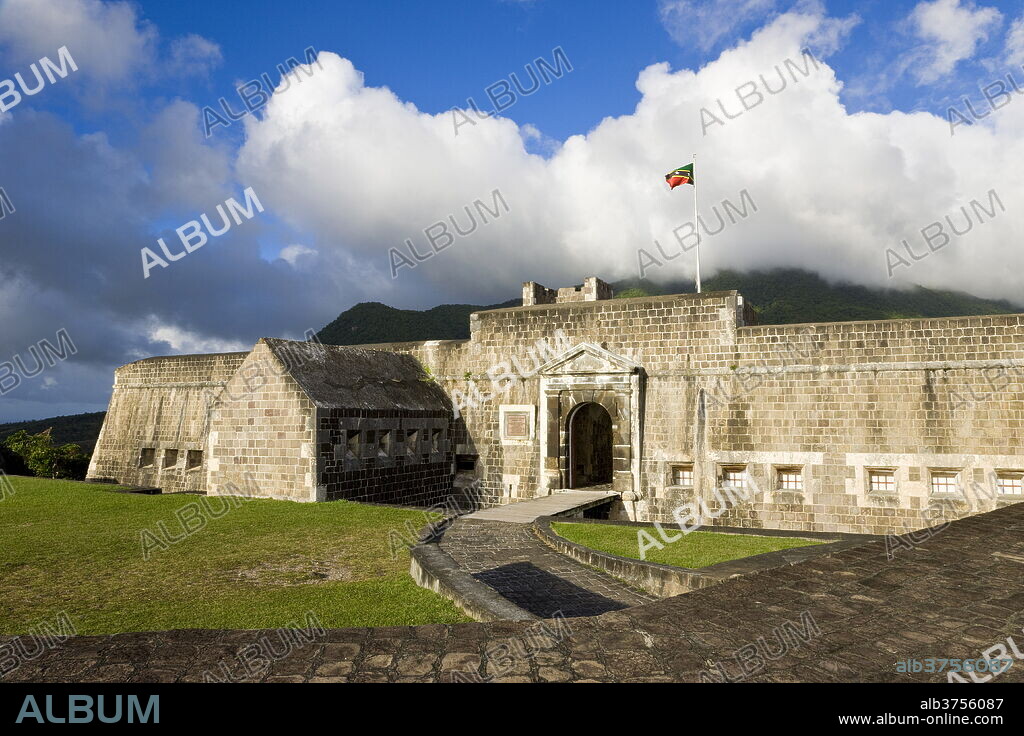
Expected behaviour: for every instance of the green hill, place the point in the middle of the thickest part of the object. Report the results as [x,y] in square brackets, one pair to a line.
[790,296]
[371,322]
[780,296]
[82,429]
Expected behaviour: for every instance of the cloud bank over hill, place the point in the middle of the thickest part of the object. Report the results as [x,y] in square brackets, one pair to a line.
[348,173]
[834,191]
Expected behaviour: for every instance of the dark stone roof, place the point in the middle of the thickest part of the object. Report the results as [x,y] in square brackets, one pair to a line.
[342,377]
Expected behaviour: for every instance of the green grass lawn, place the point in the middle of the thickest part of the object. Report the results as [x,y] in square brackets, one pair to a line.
[696,549]
[77,548]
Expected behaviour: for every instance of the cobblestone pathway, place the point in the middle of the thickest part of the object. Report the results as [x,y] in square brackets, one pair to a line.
[515,562]
[956,595]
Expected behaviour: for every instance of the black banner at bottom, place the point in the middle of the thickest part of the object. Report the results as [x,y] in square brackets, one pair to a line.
[268,705]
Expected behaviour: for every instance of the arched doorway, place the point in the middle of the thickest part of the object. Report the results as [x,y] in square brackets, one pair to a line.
[590,446]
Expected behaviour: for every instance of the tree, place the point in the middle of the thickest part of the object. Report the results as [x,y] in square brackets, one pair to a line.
[44,459]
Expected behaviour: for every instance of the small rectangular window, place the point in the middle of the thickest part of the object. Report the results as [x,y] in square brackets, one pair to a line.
[384,443]
[882,481]
[170,458]
[412,440]
[1010,482]
[682,475]
[734,476]
[945,482]
[465,463]
[194,459]
[789,479]
[147,457]
[435,440]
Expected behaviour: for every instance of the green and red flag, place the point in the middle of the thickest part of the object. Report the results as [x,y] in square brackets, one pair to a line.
[682,175]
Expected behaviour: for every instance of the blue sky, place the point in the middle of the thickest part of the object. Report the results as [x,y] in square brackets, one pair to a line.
[438,54]
[357,157]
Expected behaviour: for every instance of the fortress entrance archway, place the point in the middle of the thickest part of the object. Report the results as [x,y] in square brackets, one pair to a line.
[590,446]
[590,407]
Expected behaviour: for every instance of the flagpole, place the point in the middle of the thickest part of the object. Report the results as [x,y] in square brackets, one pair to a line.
[696,217]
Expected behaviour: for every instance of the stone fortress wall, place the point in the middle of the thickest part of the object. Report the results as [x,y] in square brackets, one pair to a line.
[831,404]
[499,366]
[161,405]
[265,423]
[867,427]
[891,426]
[261,435]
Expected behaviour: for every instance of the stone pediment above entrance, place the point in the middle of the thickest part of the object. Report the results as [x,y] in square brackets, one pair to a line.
[588,359]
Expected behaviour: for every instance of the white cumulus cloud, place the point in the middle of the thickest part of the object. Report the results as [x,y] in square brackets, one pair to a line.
[107,40]
[363,171]
[950,32]
[349,173]
[705,23]
[1015,42]
[112,45]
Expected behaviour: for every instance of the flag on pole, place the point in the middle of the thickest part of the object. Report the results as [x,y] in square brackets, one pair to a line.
[682,175]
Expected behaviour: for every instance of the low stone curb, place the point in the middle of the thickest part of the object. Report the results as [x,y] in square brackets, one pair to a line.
[665,581]
[755,531]
[433,568]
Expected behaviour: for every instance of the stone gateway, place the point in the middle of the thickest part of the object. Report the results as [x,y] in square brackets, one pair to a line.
[680,404]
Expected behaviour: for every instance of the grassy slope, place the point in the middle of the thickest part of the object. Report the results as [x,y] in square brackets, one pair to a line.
[697,549]
[76,547]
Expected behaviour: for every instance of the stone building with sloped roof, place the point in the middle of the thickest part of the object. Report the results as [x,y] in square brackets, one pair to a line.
[290,420]
[682,404]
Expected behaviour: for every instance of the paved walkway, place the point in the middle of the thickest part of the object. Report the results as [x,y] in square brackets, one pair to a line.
[557,504]
[515,562]
[953,596]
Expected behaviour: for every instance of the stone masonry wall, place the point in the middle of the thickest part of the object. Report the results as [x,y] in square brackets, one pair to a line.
[836,400]
[830,399]
[262,438]
[829,402]
[415,469]
[161,405]
[498,366]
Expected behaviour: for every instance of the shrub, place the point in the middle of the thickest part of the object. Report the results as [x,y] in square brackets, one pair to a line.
[45,460]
